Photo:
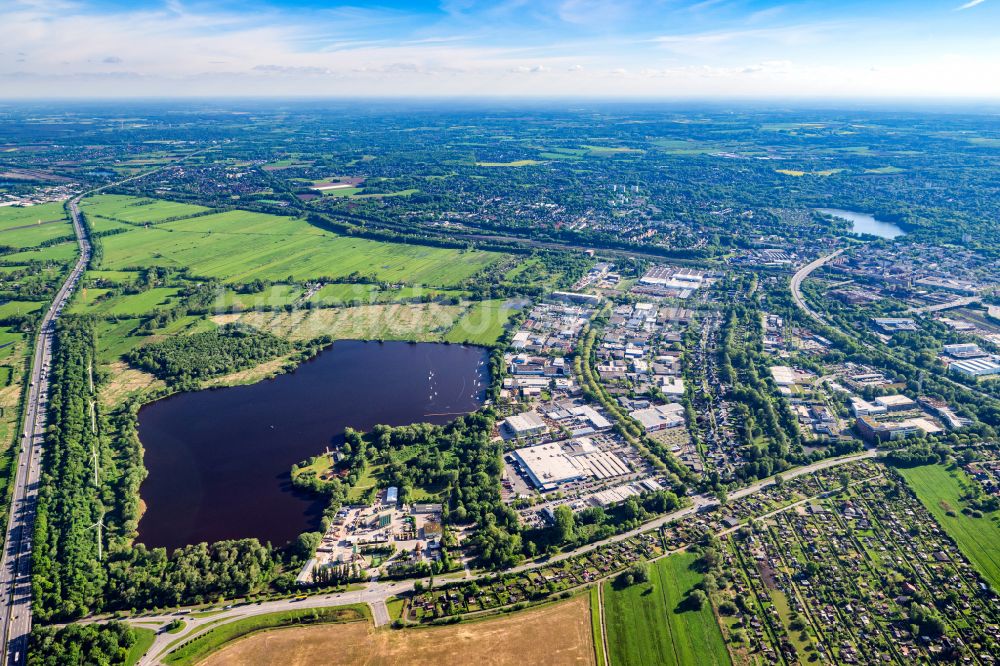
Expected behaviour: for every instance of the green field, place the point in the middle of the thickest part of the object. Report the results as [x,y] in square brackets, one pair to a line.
[32,225]
[482,324]
[238,246]
[137,210]
[515,163]
[90,301]
[16,308]
[62,253]
[115,338]
[206,644]
[646,626]
[277,295]
[144,641]
[595,625]
[940,490]
[344,293]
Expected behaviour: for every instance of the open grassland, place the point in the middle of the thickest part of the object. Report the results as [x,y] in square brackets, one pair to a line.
[425,322]
[647,623]
[15,308]
[611,150]
[137,210]
[32,225]
[144,641]
[360,294]
[596,630]
[94,302]
[64,253]
[275,296]
[13,355]
[482,324]
[940,490]
[238,246]
[199,648]
[553,635]
[125,382]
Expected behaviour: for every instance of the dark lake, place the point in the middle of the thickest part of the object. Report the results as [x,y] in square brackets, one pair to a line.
[219,459]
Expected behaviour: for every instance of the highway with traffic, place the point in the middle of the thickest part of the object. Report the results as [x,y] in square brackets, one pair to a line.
[15,570]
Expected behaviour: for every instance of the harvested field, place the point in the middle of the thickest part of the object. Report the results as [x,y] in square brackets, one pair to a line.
[557,634]
[124,382]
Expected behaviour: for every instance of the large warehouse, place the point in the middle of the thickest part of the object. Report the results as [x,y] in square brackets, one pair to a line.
[548,466]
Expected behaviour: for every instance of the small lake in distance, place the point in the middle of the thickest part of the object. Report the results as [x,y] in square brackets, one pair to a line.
[219,460]
[863,223]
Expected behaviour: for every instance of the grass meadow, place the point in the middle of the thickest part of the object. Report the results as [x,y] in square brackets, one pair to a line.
[238,246]
[940,490]
[646,623]
[137,210]
[32,225]
[482,324]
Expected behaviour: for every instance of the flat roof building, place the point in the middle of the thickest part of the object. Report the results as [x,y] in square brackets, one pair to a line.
[527,424]
[783,375]
[883,431]
[660,417]
[976,367]
[895,403]
[550,465]
[894,324]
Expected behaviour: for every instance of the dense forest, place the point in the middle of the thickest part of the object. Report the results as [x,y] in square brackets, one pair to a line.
[89,644]
[183,358]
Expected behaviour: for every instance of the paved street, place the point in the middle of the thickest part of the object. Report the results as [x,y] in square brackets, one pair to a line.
[15,569]
[15,572]
[801,275]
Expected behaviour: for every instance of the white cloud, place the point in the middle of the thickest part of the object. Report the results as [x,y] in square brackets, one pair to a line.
[970,4]
[183,49]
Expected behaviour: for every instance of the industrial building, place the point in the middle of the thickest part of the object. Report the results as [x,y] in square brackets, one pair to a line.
[976,367]
[660,417]
[895,403]
[884,431]
[527,424]
[575,297]
[964,350]
[783,375]
[894,324]
[549,466]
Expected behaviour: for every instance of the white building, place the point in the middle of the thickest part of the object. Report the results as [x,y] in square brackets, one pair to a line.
[660,417]
[527,424]
[783,375]
[976,367]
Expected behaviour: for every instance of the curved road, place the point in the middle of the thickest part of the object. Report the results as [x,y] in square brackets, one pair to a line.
[801,275]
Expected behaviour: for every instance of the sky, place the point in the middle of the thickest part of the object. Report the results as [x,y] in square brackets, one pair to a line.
[616,49]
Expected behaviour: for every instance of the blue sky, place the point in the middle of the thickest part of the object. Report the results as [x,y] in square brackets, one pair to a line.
[542,48]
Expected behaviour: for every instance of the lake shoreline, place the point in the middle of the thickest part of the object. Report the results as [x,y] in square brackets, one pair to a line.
[212,456]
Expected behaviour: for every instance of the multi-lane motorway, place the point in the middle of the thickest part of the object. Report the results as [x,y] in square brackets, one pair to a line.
[15,571]
[801,275]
